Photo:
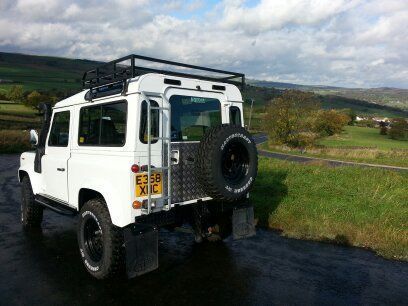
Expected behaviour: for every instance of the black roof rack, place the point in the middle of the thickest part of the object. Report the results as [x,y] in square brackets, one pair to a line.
[125,68]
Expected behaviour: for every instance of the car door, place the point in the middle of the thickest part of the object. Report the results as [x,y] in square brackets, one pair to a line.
[57,153]
[192,114]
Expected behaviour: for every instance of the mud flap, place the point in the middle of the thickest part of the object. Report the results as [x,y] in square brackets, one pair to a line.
[243,225]
[141,244]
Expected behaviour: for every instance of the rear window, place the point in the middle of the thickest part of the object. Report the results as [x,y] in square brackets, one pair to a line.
[103,125]
[235,116]
[191,117]
[154,122]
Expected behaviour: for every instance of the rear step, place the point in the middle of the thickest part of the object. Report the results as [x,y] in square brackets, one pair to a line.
[56,206]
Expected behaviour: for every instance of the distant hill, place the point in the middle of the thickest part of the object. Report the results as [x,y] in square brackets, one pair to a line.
[281,85]
[262,95]
[42,72]
[63,76]
[395,98]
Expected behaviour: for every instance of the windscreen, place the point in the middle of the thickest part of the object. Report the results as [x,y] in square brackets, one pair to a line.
[191,117]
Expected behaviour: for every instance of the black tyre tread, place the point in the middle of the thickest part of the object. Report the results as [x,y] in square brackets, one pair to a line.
[31,211]
[115,260]
[207,145]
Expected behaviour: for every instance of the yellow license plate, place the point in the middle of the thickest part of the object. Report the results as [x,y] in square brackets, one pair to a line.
[142,184]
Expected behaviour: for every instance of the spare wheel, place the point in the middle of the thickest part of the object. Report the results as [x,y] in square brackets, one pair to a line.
[227,162]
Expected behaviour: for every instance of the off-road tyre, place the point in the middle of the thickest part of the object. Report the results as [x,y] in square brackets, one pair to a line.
[216,152]
[109,261]
[31,212]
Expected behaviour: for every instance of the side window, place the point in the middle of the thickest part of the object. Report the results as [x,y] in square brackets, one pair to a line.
[235,116]
[113,124]
[89,125]
[103,125]
[59,133]
[154,122]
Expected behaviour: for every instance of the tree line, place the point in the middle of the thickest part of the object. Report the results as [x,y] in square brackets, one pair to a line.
[17,94]
[295,118]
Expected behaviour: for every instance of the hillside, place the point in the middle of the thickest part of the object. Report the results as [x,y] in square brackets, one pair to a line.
[63,77]
[42,72]
[391,98]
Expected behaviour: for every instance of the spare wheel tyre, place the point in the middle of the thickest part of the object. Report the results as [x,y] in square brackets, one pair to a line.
[227,162]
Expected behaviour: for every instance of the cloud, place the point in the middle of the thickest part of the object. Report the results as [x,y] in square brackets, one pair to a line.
[274,14]
[337,42]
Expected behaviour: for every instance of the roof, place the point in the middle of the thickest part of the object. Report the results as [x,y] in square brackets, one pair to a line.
[156,83]
[126,68]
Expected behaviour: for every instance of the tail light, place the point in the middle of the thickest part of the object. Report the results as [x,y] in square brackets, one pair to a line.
[135,168]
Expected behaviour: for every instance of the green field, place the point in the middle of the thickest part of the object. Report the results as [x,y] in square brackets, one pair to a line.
[348,205]
[257,117]
[7,108]
[357,144]
[355,136]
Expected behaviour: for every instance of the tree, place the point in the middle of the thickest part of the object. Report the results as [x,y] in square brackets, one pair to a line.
[53,99]
[290,117]
[15,93]
[351,113]
[33,99]
[383,128]
[3,95]
[399,129]
[330,122]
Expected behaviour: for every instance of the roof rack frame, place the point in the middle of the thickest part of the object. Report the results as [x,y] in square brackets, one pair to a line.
[115,73]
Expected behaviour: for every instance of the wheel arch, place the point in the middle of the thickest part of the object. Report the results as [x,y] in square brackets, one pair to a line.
[118,215]
[22,174]
[86,194]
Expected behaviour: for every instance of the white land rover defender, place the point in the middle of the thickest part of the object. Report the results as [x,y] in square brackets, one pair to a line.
[137,149]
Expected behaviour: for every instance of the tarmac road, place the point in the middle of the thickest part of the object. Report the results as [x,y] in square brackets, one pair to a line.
[261,138]
[44,268]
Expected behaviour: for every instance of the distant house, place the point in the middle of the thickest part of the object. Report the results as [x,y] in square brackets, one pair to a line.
[358,118]
[381,119]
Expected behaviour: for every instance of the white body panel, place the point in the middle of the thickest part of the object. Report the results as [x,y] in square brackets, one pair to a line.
[107,170]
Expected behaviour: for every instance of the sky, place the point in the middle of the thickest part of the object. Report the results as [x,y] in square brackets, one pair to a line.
[352,43]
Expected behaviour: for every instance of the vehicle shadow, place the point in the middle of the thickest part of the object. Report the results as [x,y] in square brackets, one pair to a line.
[268,192]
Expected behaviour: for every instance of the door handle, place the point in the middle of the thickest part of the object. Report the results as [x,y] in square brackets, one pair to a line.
[60,169]
[174,157]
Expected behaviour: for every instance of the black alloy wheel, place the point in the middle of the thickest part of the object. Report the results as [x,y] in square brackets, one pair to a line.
[93,239]
[235,163]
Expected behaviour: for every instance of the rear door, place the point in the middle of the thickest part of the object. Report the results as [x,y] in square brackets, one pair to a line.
[192,114]
[57,153]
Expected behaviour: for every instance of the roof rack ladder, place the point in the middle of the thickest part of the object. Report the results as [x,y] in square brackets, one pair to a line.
[166,145]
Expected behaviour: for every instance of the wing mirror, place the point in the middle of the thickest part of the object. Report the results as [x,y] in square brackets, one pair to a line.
[33,137]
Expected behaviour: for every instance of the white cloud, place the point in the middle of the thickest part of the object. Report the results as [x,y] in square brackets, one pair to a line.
[274,14]
[337,42]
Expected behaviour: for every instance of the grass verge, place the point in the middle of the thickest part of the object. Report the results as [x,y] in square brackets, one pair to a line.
[348,205]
